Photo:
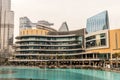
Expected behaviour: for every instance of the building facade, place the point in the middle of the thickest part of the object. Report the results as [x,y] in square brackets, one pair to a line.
[6,26]
[46,45]
[100,39]
[95,46]
[98,22]
[97,31]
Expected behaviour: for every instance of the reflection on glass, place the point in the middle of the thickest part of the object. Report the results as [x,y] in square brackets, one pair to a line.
[98,22]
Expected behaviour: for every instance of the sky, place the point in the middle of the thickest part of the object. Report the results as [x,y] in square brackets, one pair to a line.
[74,12]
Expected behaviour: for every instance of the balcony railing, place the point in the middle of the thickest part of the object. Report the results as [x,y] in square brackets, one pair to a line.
[20,45]
[23,60]
[43,54]
[23,40]
[49,49]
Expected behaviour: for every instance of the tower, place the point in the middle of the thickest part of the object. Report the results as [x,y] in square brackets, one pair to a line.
[6,26]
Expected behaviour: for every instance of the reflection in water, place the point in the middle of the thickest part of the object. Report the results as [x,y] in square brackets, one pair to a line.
[7,72]
[55,74]
[19,79]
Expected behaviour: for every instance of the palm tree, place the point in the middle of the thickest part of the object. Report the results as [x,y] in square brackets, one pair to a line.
[116,55]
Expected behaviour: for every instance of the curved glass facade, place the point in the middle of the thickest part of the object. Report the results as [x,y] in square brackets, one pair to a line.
[54,47]
[44,44]
[98,22]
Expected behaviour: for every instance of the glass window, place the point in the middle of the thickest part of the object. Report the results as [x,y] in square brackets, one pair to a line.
[102,35]
[98,22]
[90,38]
[103,42]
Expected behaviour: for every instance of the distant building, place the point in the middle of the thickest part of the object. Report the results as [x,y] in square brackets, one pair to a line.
[26,23]
[64,27]
[6,26]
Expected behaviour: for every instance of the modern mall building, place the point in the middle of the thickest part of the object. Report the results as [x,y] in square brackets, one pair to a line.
[6,27]
[100,40]
[44,45]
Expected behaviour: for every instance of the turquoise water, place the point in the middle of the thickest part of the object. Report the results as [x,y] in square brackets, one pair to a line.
[55,74]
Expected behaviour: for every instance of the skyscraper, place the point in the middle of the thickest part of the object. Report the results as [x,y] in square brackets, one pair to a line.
[98,22]
[6,26]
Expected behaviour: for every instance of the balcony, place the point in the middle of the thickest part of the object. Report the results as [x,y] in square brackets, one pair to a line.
[37,60]
[42,40]
[37,54]
[19,50]
[23,45]
[51,36]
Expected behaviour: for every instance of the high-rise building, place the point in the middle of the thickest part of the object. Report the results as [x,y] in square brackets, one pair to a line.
[98,22]
[6,26]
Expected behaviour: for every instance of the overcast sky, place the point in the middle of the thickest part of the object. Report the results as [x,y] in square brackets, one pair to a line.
[75,12]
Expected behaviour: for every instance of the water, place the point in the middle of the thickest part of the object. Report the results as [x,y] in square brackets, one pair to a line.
[11,73]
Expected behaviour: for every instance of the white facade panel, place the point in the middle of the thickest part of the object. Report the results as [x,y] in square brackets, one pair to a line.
[98,38]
